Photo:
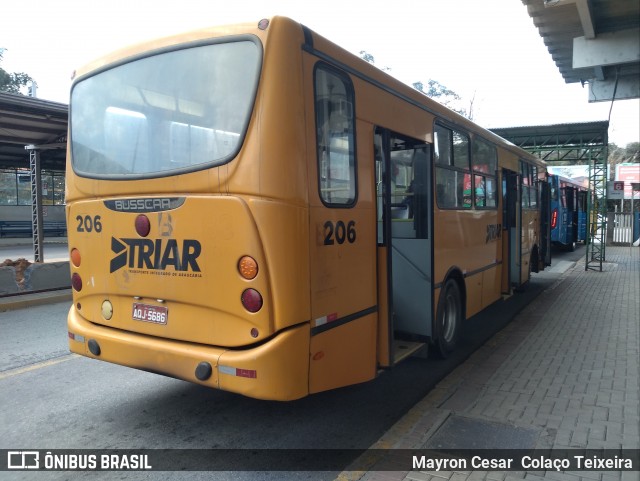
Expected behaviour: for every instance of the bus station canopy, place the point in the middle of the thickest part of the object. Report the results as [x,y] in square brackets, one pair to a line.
[27,121]
[572,143]
[548,136]
[593,41]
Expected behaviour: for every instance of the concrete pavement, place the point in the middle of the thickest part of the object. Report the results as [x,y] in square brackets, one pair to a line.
[563,374]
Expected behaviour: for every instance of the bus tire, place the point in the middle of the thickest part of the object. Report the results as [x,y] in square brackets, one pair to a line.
[449,318]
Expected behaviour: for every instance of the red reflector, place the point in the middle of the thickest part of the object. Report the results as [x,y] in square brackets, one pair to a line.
[143,225]
[251,300]
[250,373]
[75,337]
[232,371]
[76,282]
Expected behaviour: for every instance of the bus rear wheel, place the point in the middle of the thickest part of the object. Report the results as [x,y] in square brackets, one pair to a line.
[448,319]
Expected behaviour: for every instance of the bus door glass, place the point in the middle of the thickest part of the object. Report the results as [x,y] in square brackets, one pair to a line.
[512,214]
[582,215]
[404,213]
[570,215]
[545,222]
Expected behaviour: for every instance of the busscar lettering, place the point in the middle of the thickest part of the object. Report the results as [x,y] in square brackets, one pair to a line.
[158,254]
[142,204]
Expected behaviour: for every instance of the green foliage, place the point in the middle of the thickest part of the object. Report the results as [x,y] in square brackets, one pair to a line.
[445,96]
[436,90]
[433,89]
[620,155]
[367,57]
[12,82]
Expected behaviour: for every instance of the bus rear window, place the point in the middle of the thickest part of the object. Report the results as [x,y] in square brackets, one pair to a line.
[168,113]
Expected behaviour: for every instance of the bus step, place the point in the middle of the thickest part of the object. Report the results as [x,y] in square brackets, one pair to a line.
[404,349]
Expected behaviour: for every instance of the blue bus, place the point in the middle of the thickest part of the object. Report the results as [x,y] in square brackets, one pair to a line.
[568,212]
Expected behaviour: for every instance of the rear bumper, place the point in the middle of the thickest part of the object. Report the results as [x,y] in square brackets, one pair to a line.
[277,369]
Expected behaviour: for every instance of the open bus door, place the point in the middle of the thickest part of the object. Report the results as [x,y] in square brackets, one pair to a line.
[512,225]
[582,215]
[405,268]
[545,223]
[571,224]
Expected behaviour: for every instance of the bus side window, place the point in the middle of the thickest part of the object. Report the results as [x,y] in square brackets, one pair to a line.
[484,161]
[335,124]
[453,177]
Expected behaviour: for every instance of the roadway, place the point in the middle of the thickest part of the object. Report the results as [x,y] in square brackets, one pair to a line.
[54,249]
[53,400]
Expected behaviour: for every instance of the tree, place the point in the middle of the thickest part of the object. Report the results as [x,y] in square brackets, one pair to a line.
[434,90]
[367,57]
[445,96]
[628,154]
[13,82]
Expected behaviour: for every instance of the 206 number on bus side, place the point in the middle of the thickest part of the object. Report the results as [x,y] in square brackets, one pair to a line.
[339,233]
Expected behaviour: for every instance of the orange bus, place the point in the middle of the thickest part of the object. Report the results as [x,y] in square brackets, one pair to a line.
[254,209]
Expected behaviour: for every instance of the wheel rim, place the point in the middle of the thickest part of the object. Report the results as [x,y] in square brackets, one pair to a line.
[449,316]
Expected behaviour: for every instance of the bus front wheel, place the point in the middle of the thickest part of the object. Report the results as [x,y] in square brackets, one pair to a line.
[449,318]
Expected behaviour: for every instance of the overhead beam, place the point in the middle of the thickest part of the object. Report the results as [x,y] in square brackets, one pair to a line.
[624,87]
[584,13]
[613,48]
[585,18]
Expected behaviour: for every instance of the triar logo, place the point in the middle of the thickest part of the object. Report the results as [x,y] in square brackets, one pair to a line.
[155,254]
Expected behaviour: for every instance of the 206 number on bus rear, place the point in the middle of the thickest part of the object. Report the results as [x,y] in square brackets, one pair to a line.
[149,313]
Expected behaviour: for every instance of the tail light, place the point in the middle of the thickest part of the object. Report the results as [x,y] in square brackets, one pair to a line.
[76,282]
[143,225]
[248,267]
[554,218]
[251,300]
[75,256]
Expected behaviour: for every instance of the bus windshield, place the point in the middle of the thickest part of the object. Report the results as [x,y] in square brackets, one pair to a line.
[176,111]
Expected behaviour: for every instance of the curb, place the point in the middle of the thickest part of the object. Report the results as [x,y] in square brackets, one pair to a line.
[10,303]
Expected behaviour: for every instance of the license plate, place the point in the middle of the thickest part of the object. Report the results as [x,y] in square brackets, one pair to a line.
[149,313]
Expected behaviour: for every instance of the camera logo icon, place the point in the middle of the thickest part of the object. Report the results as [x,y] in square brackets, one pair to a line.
[23,460]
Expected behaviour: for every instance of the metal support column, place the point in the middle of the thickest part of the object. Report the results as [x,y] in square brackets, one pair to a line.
[597,210]
[36,203]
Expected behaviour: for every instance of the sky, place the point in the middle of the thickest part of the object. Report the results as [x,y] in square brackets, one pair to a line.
[488,51]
